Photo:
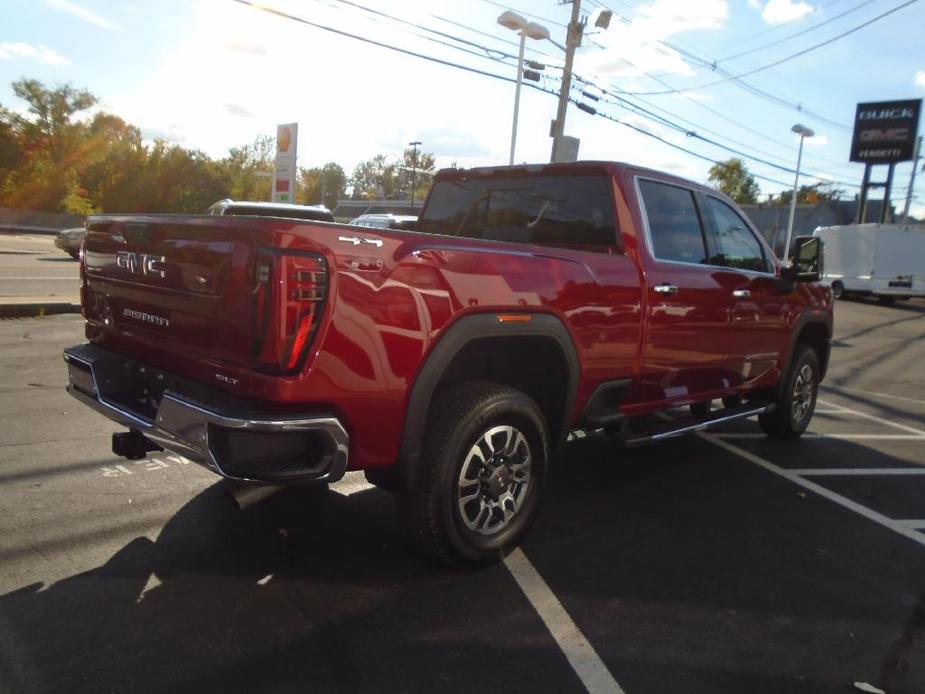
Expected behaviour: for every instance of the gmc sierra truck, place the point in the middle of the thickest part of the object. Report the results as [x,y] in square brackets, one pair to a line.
[449,362]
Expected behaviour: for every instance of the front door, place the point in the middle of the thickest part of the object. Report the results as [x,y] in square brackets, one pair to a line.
[684,356]
[756,336]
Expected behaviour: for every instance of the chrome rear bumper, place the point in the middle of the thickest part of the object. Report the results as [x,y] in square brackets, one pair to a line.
[208,433]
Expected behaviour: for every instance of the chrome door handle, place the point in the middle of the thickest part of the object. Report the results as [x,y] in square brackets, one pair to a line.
[741,293]
[666,289]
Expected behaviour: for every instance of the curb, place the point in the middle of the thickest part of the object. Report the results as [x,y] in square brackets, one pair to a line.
[37,309]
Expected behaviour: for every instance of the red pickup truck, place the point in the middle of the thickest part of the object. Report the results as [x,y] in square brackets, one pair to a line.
[449,362]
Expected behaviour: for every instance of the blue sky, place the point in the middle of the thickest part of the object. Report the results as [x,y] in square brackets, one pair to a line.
[211,74]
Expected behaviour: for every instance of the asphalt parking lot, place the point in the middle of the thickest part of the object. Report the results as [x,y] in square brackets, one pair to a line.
[722,562]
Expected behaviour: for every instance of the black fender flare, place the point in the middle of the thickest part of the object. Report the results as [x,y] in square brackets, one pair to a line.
[454,339]
[808,317]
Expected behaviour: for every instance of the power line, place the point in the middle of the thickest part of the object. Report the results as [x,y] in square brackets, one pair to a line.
[799,33]
[739,76]
[485,73]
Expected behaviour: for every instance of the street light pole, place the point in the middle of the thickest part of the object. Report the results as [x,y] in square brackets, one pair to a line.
[414,167]
[520,77]
[803,132]
[572,39]
[514,22]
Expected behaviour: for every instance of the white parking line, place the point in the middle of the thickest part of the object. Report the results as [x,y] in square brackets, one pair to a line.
[813,435]
[914,523]
[877,395]
[847,503]
[581,656]
[834,471]
[856,413]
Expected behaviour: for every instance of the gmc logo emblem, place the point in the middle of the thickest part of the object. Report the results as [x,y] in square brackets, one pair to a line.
[142,264]
[885,135]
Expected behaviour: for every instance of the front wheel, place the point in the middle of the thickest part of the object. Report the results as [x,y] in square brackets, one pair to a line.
[796,403]
[838,289]
[482,470]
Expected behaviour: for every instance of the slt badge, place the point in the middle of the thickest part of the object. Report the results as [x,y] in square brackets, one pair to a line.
[356,241]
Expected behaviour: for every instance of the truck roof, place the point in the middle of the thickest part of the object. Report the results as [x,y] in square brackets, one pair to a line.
[614,168]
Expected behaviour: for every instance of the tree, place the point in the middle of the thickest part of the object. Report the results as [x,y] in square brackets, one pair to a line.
[243,166]
[810,194]
[420,168]
[734,179]
[334,180]
[51,146]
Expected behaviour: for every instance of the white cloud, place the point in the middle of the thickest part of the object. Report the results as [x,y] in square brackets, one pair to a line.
[238,110]
[920,79]
[639,39]
[782,11]
[19,49]
[754,4]
[83,13]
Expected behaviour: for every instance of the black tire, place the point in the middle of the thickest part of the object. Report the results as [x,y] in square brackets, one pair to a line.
[797,400]
[886,300]
[838,289]
[701,409]
[74,254]
[433,518]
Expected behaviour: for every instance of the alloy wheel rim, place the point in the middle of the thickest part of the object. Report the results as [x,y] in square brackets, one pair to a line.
[494,480]
[803,393]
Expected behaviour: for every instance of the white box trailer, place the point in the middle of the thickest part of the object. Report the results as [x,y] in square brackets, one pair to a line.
[884,260]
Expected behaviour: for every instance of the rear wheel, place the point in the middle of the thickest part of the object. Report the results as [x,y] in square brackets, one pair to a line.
[886,300]
[838,289]
[797,400]
[482,469]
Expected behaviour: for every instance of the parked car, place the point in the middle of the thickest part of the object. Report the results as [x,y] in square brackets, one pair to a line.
[882,260]
[451,362]
[408,222]
[316,213]
[69,240]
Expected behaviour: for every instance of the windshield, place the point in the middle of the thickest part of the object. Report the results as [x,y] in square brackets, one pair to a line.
[547,210]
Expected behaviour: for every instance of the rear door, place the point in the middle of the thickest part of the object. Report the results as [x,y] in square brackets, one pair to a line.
[756,335]
[687,305]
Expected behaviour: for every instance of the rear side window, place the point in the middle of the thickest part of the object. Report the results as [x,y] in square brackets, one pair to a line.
[674,223]
[547,210]
[735,244]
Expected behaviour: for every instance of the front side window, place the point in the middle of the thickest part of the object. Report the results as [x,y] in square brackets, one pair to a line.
[552,210]
[735,244]
[674,222]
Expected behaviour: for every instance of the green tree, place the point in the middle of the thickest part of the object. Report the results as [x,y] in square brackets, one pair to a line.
[734,179]
[811,194]
[52,147]
[248,170]
[421,168]
[310,184]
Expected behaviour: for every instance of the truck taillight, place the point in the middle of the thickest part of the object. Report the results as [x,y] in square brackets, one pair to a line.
[289,294]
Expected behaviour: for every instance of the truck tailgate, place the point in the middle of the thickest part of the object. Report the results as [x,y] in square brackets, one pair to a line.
[175,290]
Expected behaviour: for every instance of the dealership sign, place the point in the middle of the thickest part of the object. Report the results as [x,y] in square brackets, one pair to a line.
[284,172]
[884,132]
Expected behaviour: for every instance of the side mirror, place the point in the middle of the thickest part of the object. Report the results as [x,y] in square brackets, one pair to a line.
[806,260]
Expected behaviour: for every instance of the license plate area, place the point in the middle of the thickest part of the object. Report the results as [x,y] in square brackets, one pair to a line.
[132,387]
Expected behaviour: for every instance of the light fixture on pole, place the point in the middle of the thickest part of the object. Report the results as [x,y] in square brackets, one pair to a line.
[414,167]
[803,132]
[532,30]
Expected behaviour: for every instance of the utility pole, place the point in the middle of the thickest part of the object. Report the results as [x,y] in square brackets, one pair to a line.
[322,184]
[915,167]
[572,39]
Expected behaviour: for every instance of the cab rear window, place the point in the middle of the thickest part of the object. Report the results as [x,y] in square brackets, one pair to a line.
[571,211]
